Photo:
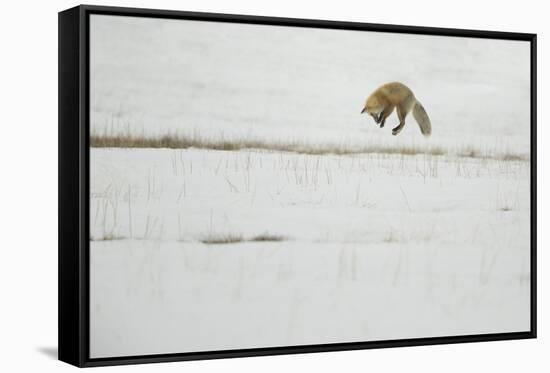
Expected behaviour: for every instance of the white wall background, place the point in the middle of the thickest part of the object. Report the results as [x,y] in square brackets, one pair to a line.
[28,191]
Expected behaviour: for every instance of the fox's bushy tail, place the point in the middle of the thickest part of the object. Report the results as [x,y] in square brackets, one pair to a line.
[422,119]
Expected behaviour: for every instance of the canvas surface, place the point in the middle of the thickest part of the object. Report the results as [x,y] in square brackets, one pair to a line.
[279,215]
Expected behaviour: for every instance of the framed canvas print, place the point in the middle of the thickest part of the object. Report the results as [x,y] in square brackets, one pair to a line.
[238,186]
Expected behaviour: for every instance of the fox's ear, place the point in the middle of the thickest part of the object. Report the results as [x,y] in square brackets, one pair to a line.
[364,109]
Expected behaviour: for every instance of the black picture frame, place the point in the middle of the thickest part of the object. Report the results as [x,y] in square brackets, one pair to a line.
[73,249]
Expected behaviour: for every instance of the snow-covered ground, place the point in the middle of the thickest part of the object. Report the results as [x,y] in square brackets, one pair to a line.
[225,80]
[364,247]
[373,247]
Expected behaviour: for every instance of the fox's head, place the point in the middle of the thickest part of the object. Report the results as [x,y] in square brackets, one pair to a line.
[373,107]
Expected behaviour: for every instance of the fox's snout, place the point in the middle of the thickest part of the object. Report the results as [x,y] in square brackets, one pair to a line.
[364,109]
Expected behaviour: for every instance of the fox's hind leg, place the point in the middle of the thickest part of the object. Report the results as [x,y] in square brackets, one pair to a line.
[401,115]
[402,110]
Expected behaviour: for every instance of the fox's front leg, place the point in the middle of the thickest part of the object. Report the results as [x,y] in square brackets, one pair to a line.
[384,114]
[382,121]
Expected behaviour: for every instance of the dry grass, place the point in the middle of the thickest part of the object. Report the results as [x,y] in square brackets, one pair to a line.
[108,237]
[213,239]
[266,237]
[223,239]
[514,157]
[198,142]
[171,141]
[229,239]
[470,152]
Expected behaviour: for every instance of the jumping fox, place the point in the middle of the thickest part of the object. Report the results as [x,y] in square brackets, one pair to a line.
[381,103]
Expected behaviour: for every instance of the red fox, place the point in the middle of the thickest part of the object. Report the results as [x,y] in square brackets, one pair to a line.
[381,103]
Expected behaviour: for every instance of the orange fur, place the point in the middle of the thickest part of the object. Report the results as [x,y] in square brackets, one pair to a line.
[381,103]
